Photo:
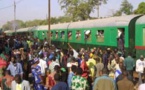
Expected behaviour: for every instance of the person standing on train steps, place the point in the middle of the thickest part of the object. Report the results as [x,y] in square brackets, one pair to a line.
[129,64]
[140,68]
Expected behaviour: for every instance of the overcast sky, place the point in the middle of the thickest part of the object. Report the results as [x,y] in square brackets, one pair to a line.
[38,9]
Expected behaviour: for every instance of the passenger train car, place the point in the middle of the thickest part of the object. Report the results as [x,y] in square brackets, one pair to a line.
[127,30]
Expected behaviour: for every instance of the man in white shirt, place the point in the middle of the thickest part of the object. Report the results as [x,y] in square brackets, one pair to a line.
[142,87]
[140,68]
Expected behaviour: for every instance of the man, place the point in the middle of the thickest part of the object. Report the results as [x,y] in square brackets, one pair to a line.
[43,65]
[19,84]
[6,81]
[104,82]
[140,68]
[53,64]
[99,66]
[78,82]
[59,85]
[36,73]
[129,64]
[125,84]
[72,72]
[142,87]
[15,67]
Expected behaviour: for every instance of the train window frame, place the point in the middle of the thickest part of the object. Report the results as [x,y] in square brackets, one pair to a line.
[56,34]
[78,36]
[143,36]
[69,34]
[62,34]
[87,34]
[100,36]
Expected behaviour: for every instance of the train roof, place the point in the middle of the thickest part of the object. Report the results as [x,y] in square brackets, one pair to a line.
[104,22]
[141,20]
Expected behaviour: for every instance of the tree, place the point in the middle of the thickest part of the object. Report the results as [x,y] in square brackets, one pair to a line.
[126,8]
[79,9]
[140,9]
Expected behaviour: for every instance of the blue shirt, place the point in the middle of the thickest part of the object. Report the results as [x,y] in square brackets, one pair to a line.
[71,74]
[60,86]
[17,69]
[36,72]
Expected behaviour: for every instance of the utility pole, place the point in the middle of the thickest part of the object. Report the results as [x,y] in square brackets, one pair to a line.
[49,32]
[15,17]
[98,10]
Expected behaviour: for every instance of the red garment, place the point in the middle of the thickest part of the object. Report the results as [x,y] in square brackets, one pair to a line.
[51,81]
[3,63]
[85,69]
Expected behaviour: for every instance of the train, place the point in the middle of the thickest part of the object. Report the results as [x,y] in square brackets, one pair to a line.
[125,32]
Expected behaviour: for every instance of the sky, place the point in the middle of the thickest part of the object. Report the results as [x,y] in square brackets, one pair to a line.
[38,9]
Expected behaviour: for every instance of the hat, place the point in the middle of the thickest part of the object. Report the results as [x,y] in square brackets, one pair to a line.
[108,49]
[91,55]
[51,56]
[36,60]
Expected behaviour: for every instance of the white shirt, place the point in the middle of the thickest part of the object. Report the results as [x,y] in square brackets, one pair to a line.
[43,66]
[75,53]
[141,87]
[52,65]
[140,66]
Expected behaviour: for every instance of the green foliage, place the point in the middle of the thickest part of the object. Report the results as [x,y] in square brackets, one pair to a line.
[140,9]
[79,9]
[126,8]
[36,22]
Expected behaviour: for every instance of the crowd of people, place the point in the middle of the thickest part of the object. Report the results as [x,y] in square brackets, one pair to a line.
[34,64]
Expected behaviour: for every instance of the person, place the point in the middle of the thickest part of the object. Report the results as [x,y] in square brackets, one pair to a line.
[72,72]
[36,73]
[104,82]
[75,53]
[141,87]
[20,84]
[99,66]
[15,67]
[140,68]
[129,64]
[78,82]
[53,64]
[125,83]
[43,65]
[6,81]
[59,84]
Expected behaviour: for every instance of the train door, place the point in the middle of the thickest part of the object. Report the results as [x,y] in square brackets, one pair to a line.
[143,36]
[121,38]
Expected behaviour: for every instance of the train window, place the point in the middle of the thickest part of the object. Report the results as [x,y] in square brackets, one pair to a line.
[69,34]
[51,34]
[100,35]
[62,34]
[78,35]
[43,33]
[143,36]
[87,34]
[56,34]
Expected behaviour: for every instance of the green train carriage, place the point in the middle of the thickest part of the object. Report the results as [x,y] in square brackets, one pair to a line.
[108,27]
[140,36]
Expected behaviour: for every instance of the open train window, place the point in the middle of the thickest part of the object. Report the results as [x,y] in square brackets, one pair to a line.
[43,33]
[56,34]
[62,34]
[87,34]
[69,34]
[51,34]
[78,35]
[100,35]
[143,36]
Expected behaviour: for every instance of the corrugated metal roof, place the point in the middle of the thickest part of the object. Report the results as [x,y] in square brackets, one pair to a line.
[105,22]
[141,20]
